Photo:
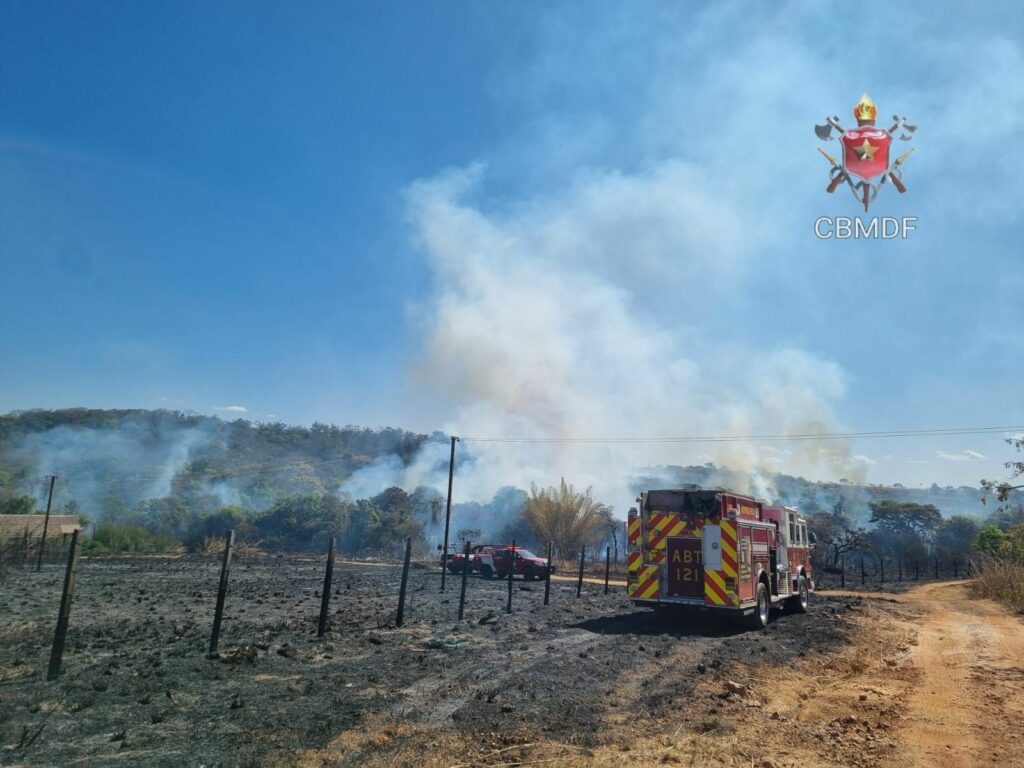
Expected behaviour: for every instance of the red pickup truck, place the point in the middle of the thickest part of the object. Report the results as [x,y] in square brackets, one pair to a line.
[493,561]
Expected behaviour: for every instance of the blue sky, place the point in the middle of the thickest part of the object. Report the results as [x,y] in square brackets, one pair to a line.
[545,219]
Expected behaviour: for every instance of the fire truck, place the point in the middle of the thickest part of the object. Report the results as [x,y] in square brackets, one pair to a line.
[493,561]
[718,551]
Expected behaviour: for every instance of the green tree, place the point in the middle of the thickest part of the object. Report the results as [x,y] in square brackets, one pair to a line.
[303,522]
[906,529]
[168,515]
[956,535]
[359,531]
[18,505]
[989,540]
[215,525]
[1006,516]
[392,520]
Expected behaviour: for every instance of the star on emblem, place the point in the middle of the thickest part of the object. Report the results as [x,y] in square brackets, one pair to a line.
[866,150]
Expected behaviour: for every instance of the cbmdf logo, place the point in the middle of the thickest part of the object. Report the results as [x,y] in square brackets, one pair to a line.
[866,164]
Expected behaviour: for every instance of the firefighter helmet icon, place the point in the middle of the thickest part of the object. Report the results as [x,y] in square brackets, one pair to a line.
[866,164]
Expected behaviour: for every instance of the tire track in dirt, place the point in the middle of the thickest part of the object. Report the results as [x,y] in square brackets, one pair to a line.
[968,709]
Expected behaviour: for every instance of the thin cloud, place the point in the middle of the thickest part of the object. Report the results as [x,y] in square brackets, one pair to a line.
[231,409]
[963,456]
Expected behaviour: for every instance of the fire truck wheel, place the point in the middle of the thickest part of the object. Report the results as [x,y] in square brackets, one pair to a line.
[487,572]
[762,610]
[798,603]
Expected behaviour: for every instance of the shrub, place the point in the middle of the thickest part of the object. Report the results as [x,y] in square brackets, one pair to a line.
[110,538]
[1000,579]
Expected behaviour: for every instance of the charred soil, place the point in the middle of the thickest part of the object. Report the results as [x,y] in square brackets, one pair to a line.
[589,680]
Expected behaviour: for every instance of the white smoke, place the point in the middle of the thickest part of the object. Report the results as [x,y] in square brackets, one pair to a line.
[384,472]
[583,315]
[138,460]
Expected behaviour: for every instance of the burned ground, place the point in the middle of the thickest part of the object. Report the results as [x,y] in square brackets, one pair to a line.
[587,674]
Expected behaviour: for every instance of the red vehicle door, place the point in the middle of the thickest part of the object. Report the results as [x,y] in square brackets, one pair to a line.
[685,568]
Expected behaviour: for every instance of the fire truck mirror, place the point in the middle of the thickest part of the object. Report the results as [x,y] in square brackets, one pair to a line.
[812,538]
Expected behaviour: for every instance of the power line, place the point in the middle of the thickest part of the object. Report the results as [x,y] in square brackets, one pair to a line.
[946,431]
[218,474]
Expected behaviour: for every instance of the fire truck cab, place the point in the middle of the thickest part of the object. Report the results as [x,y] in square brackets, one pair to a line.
[718,551]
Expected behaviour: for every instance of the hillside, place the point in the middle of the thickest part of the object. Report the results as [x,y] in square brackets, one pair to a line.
[111,461]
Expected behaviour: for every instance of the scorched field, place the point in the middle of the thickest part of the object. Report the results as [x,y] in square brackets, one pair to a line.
[587,680]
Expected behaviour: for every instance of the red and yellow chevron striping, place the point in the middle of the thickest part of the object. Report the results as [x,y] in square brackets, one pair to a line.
[648,584]
[714,589]
[729,558]
[634,561]
[660,526]
[633,532]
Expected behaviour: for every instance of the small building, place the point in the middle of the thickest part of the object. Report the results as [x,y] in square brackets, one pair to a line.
[15,526]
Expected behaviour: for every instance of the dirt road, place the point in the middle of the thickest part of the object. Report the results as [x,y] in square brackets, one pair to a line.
[967,708]
[932,678]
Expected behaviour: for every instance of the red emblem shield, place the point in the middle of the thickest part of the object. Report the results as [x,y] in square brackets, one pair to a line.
[866,152]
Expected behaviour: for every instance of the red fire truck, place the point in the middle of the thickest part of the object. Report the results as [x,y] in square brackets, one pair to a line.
[718,551]
[492,561]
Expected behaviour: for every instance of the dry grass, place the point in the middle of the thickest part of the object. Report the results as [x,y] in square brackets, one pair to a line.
[1001,580]
[384,741]
[213,547]
[13,551]
[20,632]
[248,548]
[591,569]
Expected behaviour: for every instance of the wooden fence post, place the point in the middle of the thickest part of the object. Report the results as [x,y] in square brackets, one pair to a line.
[400,619]
[465,575]
[547,581]
[579,582]
[511,571]
[222,589]
[325,599]
[64,613]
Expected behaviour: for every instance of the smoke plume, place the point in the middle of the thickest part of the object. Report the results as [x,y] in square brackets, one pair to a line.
[593,313]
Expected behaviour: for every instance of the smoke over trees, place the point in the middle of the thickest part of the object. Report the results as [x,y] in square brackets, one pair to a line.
[187,479]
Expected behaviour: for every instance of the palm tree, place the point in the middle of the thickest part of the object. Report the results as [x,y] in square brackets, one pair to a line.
[567,518]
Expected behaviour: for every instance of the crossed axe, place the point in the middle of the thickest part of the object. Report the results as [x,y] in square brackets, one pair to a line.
[824,132]
[893,172]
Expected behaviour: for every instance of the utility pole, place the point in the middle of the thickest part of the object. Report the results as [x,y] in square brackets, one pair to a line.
[448,512]
[46,523]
